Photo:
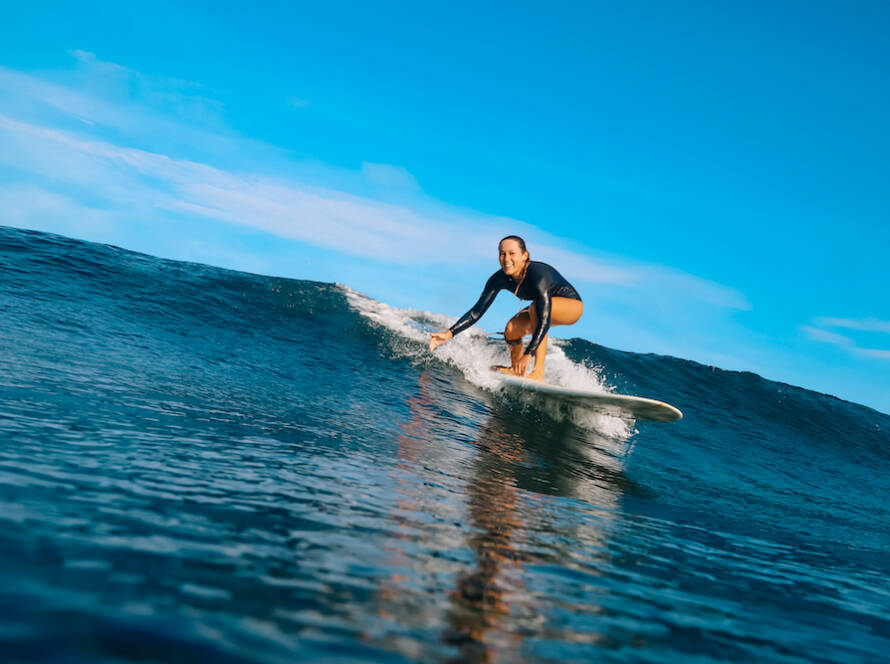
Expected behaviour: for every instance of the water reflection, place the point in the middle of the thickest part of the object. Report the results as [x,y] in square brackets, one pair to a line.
[477,616]
[482,513]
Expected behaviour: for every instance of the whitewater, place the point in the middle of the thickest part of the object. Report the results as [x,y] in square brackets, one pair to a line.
[201,464]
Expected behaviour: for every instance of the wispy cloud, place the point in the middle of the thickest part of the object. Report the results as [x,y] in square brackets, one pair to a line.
[187,99]
[846,341]
[387,175]
[101,66]
[861,324]
[817,334]
[881,353]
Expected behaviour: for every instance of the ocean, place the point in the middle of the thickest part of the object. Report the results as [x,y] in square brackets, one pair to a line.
[206,465]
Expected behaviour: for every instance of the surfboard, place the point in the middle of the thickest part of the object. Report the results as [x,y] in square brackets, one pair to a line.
[619,405]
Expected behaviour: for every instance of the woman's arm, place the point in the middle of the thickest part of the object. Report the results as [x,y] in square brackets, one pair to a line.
[492,287]
[542,304]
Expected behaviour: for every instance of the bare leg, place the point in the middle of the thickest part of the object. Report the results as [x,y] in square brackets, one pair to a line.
[541,351]
[563,312]
[517,327]
[515,353]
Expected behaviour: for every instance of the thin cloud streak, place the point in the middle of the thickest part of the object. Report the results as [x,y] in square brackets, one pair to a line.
[860,324]
[827,337]
[386,175]
[874,352]
[846,342]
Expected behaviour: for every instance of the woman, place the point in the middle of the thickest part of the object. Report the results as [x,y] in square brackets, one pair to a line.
[554,302]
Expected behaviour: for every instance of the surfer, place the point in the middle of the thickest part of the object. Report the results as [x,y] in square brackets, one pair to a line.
[554,302]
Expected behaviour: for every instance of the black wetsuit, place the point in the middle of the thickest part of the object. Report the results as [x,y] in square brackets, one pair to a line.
[541,283]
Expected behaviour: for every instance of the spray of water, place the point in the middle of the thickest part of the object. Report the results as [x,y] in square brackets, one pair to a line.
[473,352]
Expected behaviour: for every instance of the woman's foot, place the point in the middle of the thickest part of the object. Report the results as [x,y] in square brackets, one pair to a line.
[534,375]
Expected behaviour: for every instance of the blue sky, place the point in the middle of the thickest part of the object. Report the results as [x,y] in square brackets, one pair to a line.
[714,180]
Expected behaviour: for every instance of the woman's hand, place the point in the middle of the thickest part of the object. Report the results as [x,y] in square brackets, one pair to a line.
[439,338]
[520,366]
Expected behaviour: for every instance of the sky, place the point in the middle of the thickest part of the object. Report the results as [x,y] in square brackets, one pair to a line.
[713,179]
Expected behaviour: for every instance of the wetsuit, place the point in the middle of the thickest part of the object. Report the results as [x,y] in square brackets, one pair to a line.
[540,284]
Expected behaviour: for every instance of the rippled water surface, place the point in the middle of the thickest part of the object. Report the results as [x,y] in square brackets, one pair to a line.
[201,464]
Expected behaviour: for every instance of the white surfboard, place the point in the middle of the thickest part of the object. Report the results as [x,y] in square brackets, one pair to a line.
[619,405]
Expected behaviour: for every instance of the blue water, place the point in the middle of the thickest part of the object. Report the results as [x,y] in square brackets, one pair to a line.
[204,465]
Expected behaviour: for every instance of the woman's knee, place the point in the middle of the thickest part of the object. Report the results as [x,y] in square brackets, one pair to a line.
[516,328]
[511,331]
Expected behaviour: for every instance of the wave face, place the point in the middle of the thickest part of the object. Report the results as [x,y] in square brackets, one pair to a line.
[201,464]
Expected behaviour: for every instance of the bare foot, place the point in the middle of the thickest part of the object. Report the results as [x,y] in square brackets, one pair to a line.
[536,375]
[502,369]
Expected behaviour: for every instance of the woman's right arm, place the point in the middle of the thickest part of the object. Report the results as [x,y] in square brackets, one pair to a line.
[492,287]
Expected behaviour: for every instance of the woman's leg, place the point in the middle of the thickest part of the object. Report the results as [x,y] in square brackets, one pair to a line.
[517,327]
[563,311]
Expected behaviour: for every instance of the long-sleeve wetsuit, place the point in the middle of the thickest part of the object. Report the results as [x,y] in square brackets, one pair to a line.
[540,284]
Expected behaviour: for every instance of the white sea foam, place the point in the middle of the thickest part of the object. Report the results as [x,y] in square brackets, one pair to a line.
[473,352]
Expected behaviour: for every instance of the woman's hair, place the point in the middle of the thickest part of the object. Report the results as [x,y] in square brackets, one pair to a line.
[517,238]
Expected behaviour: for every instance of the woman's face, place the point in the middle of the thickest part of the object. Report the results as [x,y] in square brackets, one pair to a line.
[512,257]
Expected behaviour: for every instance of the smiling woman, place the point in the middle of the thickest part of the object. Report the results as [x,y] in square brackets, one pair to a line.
[554,302]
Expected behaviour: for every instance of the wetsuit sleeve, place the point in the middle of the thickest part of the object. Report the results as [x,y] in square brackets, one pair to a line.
[542,304]
[492,287]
